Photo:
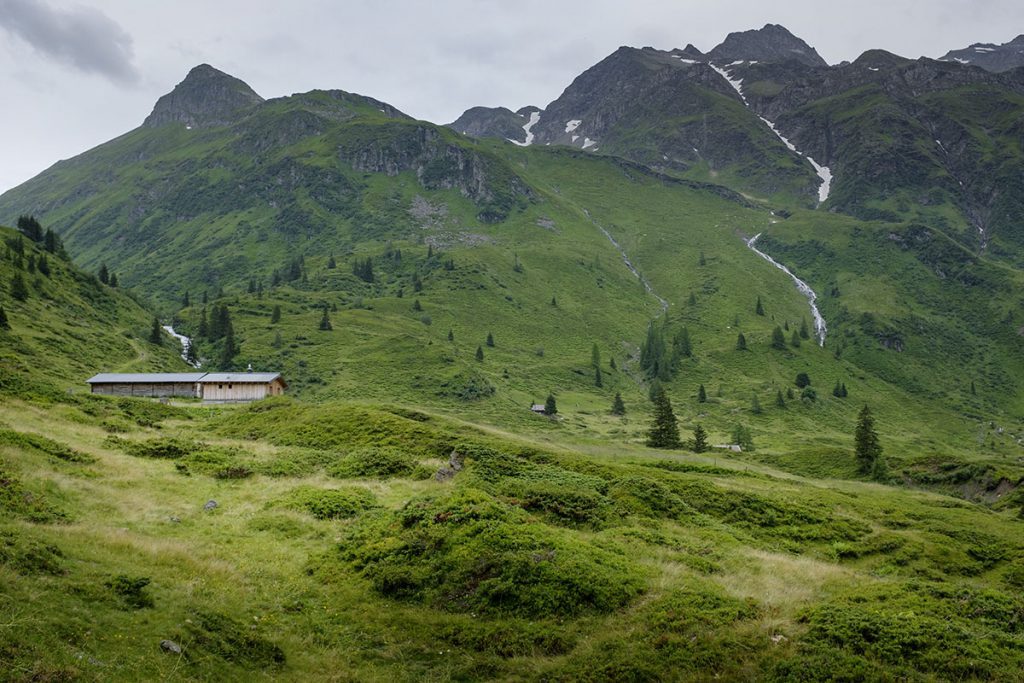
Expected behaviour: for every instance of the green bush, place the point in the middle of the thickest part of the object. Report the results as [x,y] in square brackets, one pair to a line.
[28,556]
[330,503]
[374,462]
[131,590]
[644,496]
[468,551]
[510,638]
[42,444]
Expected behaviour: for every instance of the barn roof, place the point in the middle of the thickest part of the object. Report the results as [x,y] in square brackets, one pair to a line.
[241,377]
[145,378]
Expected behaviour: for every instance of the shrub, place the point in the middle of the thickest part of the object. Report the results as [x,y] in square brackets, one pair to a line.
[231,640]
[469,552]
[28,556]
[330,503]
[131,590]
[374,462]
[644,496]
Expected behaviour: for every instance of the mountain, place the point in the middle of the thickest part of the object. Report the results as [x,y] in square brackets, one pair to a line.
[495,122]
[402,514]
[991,57]
[772,43]
[207,97]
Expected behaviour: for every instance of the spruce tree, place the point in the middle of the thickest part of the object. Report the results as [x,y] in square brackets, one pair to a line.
[842,390]
[417,283]
[741,342]
[113,280]
[4,325]
[778,338]
[451,336]
[204,327]
[43,265]
[190,355]
[325,322]
[618,407]
[490,340]
[702,261]
[611,363]
[683,345]
[755,405]
[779,401]
[702,396]
[741,437]
[479,353]
[837,391]
[155,334]
[18,289]
[550,407]
[794,341]
[185,302]
[331,263]
[692,300]
[104,274]
[804,333]
[50,241]
[31,264]
[416,305]
[803,380]
[31,228]
[278,342]
[598,380]
[229,350]
[759,307]
[700,439]
[664,432]
[867,448]
[275,315]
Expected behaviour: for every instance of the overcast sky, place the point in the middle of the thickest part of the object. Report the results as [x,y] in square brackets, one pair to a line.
[75,74]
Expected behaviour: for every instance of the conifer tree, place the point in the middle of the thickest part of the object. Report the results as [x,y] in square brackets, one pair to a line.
[113,280]
[205,298]
[278,342]
[741,342]
[185,302]
[31,264]
[490,340]
[417,306]
[755,405]
[794,341]
[611,363]
[451,336]
[974,391]
[155,334]
[789,394]
[741,437]
[18,289]
[700,439]
[417,283]
[479,353]
[275,315]
[30,228]
[842,390]
[4,324]
[804,333]
[331,263]
[682,343]
[50,241]
[664,431]
[759,307]
[692,300]
[778,338]
[803,380]
[867,448]
[190,355]
[104,274]
[702,396]
[779,401]
[554,304]
[618,407]
[837,391]
[702,261]
[229,350]
[204,327]
[598,379]
[325,322]
[550,407]
[43,265]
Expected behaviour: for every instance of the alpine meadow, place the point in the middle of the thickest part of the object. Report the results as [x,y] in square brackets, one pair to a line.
[712,368]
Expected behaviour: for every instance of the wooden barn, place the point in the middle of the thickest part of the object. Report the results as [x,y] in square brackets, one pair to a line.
[240,387]
[148,384]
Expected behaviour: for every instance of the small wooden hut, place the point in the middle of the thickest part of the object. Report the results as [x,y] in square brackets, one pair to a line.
[240,387]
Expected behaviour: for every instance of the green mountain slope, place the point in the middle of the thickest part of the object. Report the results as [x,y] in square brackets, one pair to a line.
[68,326]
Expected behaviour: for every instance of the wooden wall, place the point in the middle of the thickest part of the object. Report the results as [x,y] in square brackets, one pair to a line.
[235,391]
[148,389]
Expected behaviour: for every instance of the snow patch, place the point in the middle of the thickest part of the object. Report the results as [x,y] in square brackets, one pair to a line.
[575,138]
[962,61]
[820,329]
[686,61]
[825,173]
[984,49]
[534,118]
[570,126]
[872,68]
[736,84]
[587,142]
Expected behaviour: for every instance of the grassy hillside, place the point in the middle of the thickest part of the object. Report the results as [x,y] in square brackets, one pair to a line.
[333,548]
[69,326]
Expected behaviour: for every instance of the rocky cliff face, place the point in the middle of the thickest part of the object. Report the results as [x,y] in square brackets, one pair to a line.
[989,56]
[207,97]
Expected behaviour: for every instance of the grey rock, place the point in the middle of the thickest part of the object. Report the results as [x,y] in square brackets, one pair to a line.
[206,98]
[174,519]
[210,505]
[170,646]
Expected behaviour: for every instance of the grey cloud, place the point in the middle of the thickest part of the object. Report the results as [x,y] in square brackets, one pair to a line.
[81,37]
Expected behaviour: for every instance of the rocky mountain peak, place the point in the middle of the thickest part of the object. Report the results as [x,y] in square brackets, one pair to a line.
[989,56]
[207,97]
[772,43]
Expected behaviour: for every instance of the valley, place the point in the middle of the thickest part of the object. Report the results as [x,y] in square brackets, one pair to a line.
[773,242]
